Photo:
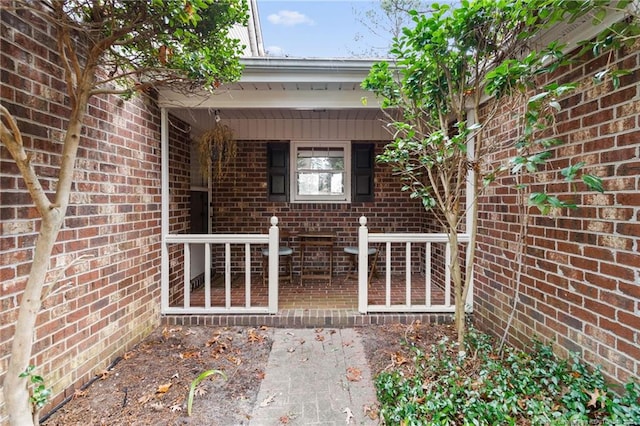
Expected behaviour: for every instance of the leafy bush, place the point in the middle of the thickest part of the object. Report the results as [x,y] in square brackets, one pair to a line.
[39,392]
[479,386]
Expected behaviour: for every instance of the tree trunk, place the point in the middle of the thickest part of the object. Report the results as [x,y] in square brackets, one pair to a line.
[16,392]
[456,276]
[16,389]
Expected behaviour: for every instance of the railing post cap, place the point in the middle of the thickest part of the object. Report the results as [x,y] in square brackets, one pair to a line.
[274,221]
[363,221]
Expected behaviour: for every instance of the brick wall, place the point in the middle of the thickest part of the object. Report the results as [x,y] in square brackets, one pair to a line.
[241,206]
[179,200]
[108,297]
[581,282]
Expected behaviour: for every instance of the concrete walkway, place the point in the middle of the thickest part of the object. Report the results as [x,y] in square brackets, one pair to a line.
[315,377]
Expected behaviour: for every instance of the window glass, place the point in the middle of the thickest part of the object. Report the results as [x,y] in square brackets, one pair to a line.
[320,173]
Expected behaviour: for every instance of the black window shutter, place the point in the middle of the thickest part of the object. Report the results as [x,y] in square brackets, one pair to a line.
[362,159]
[278,171]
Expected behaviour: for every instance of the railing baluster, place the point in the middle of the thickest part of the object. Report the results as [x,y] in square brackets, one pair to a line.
[407,269]
[227,275]
[447,276]
[247,275]
[187,274]
[427,274]
[207,275]
[388,274]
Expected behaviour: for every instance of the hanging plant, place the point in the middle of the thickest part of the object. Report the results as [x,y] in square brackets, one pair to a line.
[216,148]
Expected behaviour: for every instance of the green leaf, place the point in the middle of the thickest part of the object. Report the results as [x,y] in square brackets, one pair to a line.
[593,182]
[538,198]
[537,97]
[196,381]
[571,171]
[599,16]
[555,105]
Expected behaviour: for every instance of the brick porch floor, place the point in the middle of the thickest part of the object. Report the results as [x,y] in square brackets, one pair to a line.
[313,303]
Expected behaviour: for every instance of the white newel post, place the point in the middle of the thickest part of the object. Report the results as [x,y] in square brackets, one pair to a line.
[363,265]
[274,261]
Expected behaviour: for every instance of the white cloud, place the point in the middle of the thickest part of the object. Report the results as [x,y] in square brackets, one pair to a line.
[289,18]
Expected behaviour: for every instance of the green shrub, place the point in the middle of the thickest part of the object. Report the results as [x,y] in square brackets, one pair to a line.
[479,386]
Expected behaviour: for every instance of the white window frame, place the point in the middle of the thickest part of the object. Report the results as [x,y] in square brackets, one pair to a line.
[295,146]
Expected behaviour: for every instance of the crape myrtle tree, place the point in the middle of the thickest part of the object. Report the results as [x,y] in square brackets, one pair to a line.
[106,47]
[450,64]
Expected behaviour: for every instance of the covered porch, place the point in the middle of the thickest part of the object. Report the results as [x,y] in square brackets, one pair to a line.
[304,106]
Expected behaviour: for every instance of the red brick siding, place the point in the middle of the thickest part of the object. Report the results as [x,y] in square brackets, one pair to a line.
[581,281]
[179,190]
[107,299]
[241,205]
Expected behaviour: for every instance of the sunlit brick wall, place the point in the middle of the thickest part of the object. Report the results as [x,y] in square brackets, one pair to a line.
[580,286]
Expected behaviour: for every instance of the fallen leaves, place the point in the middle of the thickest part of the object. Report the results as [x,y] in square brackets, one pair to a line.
[164,388]
[349,414]
[354,374]
[371,411]
[254,337]
[151,380]
[200,391]
[103,374]
[399,359]
[287,418]
[167,332]
[595,397]
[190,354]
[268,400]
[234,360]
[79,393]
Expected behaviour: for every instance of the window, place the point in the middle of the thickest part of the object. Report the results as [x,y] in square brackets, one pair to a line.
[320,172]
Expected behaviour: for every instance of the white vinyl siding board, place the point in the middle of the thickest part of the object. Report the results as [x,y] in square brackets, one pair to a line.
[308,129]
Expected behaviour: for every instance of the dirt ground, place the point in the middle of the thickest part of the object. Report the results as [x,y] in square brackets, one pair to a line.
[150,385]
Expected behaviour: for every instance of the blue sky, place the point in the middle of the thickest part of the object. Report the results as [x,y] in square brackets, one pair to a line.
[318,28]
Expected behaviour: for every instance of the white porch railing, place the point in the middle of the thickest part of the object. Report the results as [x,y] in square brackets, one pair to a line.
[365,240]
[226,240]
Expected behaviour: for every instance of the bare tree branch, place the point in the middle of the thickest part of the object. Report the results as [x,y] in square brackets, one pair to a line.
[11,137]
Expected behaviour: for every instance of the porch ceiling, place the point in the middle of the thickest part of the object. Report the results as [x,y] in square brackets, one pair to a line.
[205,115]
[280,89]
